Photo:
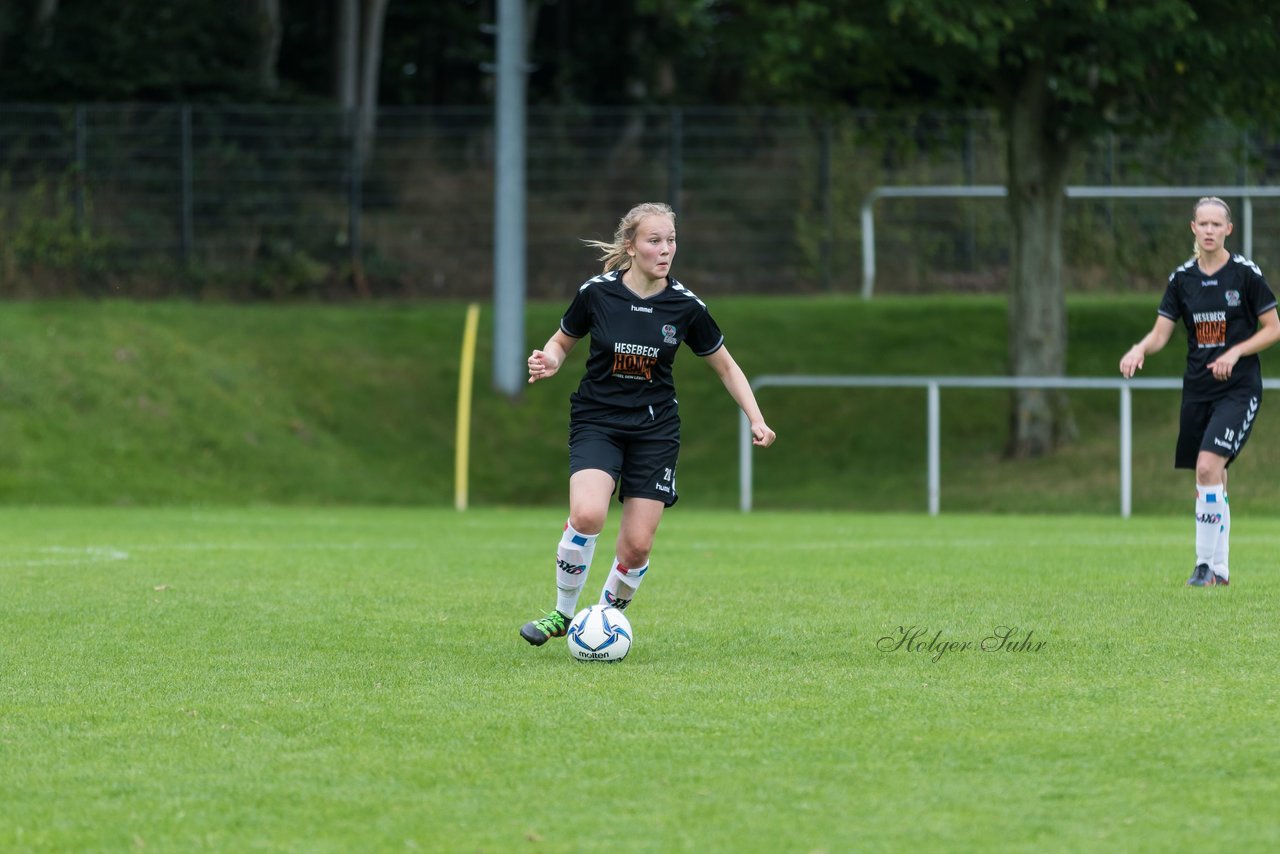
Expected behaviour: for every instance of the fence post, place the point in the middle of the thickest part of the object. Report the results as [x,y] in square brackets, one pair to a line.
[354,189]
[80,167]
[188,181]
[825,202]
[744,463]
[675,159]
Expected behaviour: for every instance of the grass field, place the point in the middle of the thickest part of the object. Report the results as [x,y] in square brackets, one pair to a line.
[352,680]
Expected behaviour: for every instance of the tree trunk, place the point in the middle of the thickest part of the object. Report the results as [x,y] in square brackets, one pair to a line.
[346,53]
[375,15]
[266,23]
[46,11]
[1039,156]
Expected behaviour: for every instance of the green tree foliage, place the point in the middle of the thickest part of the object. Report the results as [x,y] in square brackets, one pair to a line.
[127,50]
[1059,72]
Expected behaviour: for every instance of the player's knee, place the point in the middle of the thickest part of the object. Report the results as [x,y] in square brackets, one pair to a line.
[631,553]
[587,520]
[1209,471]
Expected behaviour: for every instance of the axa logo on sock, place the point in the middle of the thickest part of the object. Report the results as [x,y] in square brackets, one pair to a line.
[569,568]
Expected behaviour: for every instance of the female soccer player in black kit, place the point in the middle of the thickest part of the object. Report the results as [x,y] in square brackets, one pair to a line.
[624,422]
[1230,316]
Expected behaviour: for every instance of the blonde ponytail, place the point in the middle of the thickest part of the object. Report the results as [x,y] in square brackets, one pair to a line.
[614,255]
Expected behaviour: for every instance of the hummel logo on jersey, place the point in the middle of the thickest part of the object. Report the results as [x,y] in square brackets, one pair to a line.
[647,309]
[1208,283]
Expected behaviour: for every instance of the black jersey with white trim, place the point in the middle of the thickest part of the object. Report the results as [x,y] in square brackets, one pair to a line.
[1218,311]
[634,342]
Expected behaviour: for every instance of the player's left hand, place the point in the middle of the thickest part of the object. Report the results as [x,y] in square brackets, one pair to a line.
[1221,366]
[761,434]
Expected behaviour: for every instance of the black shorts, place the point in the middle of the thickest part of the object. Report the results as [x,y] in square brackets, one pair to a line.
[1219,426]
[642,463]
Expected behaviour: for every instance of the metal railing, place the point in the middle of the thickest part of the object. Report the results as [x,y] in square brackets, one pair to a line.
[986,191]
[933,387]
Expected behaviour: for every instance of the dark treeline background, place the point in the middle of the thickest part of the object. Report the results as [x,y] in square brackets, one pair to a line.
[431,53]
[330,148]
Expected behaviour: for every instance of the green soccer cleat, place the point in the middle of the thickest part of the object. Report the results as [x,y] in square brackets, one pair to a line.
[538,632]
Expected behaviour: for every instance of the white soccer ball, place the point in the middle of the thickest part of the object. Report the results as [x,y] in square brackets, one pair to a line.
[600,633]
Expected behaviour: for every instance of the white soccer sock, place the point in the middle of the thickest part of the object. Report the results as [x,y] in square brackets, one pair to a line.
[1209,516]
[1223,549]
[573,562]
[621,584]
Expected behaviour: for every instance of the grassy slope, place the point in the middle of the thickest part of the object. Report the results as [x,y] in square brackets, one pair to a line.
[120,403]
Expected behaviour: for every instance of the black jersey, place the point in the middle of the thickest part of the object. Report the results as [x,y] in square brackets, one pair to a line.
[633,343]
[1219,311]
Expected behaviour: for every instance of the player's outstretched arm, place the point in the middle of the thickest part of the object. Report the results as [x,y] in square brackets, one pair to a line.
[735,381]
[545,362]
[1153,342]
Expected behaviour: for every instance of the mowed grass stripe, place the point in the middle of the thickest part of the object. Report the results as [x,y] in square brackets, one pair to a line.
[351,679]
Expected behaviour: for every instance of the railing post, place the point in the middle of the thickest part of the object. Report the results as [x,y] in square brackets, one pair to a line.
[868,247]
[1248,226]
[1126,452]
[744,463]
[934,453]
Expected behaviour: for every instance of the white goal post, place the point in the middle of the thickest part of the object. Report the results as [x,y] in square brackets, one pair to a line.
[987,191]
[933,415]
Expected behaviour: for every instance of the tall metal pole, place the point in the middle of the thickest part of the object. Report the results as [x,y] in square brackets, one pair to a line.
[509,203]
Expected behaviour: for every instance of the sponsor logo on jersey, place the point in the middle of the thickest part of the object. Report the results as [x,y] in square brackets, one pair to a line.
[634,361]
[1208,283]
[1211,328]
[1233,298]
[647,309]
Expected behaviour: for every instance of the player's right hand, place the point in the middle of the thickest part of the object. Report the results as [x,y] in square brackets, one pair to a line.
[1132,362]
[542,365]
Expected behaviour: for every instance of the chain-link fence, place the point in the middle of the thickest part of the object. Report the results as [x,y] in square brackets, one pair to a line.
[269,201]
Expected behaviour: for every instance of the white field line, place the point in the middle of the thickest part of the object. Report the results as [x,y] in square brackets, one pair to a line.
[72,555]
